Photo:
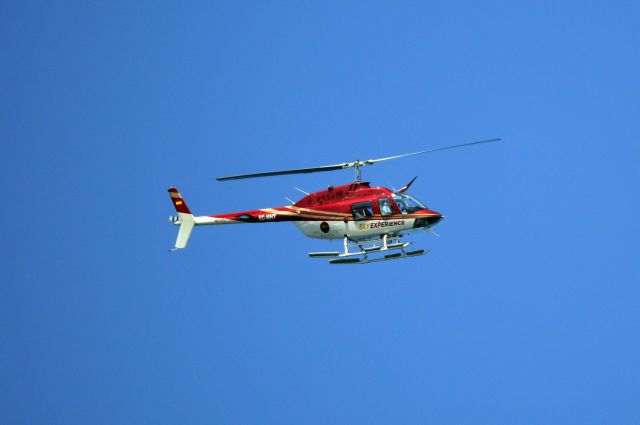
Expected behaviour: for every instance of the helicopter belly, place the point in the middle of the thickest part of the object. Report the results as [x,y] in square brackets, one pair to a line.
[363,229]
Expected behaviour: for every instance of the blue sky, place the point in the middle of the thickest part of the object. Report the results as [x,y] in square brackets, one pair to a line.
[526,311]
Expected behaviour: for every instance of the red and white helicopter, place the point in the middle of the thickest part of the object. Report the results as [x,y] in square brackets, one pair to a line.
[369,220]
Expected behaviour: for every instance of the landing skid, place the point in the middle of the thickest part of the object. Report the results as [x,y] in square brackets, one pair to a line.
[361,256]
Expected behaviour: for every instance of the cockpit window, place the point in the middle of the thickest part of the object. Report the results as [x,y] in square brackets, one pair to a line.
[401,204]
[362,210]
[408,204]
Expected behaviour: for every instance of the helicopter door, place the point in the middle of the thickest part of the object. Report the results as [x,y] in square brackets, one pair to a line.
[362,210]
[385,206]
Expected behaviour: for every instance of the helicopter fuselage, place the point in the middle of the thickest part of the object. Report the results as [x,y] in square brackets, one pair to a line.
[356,211]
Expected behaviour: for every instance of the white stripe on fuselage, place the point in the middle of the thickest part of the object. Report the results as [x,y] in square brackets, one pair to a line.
[361,229]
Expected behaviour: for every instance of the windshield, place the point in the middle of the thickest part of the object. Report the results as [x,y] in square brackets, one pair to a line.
[407,203]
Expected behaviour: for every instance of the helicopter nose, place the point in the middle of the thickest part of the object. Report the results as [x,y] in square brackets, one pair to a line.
[434,219]
[431,219]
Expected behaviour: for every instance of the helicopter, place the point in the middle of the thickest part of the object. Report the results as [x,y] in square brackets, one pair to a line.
[370,221]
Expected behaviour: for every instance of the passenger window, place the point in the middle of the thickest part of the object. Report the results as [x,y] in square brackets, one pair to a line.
[385,206]
[362,210]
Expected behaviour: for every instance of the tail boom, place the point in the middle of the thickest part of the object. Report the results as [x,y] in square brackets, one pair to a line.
[188,221]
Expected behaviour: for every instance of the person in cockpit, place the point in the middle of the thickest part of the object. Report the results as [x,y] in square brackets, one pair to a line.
[385,207]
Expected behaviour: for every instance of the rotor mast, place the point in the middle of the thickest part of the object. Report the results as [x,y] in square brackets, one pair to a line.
[358,172]
[357,164]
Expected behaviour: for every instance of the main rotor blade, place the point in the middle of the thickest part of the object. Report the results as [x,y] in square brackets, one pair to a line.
[373,161]
[284,172]
[344,165]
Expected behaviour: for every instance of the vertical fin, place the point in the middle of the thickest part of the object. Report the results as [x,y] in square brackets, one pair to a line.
[187,220]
